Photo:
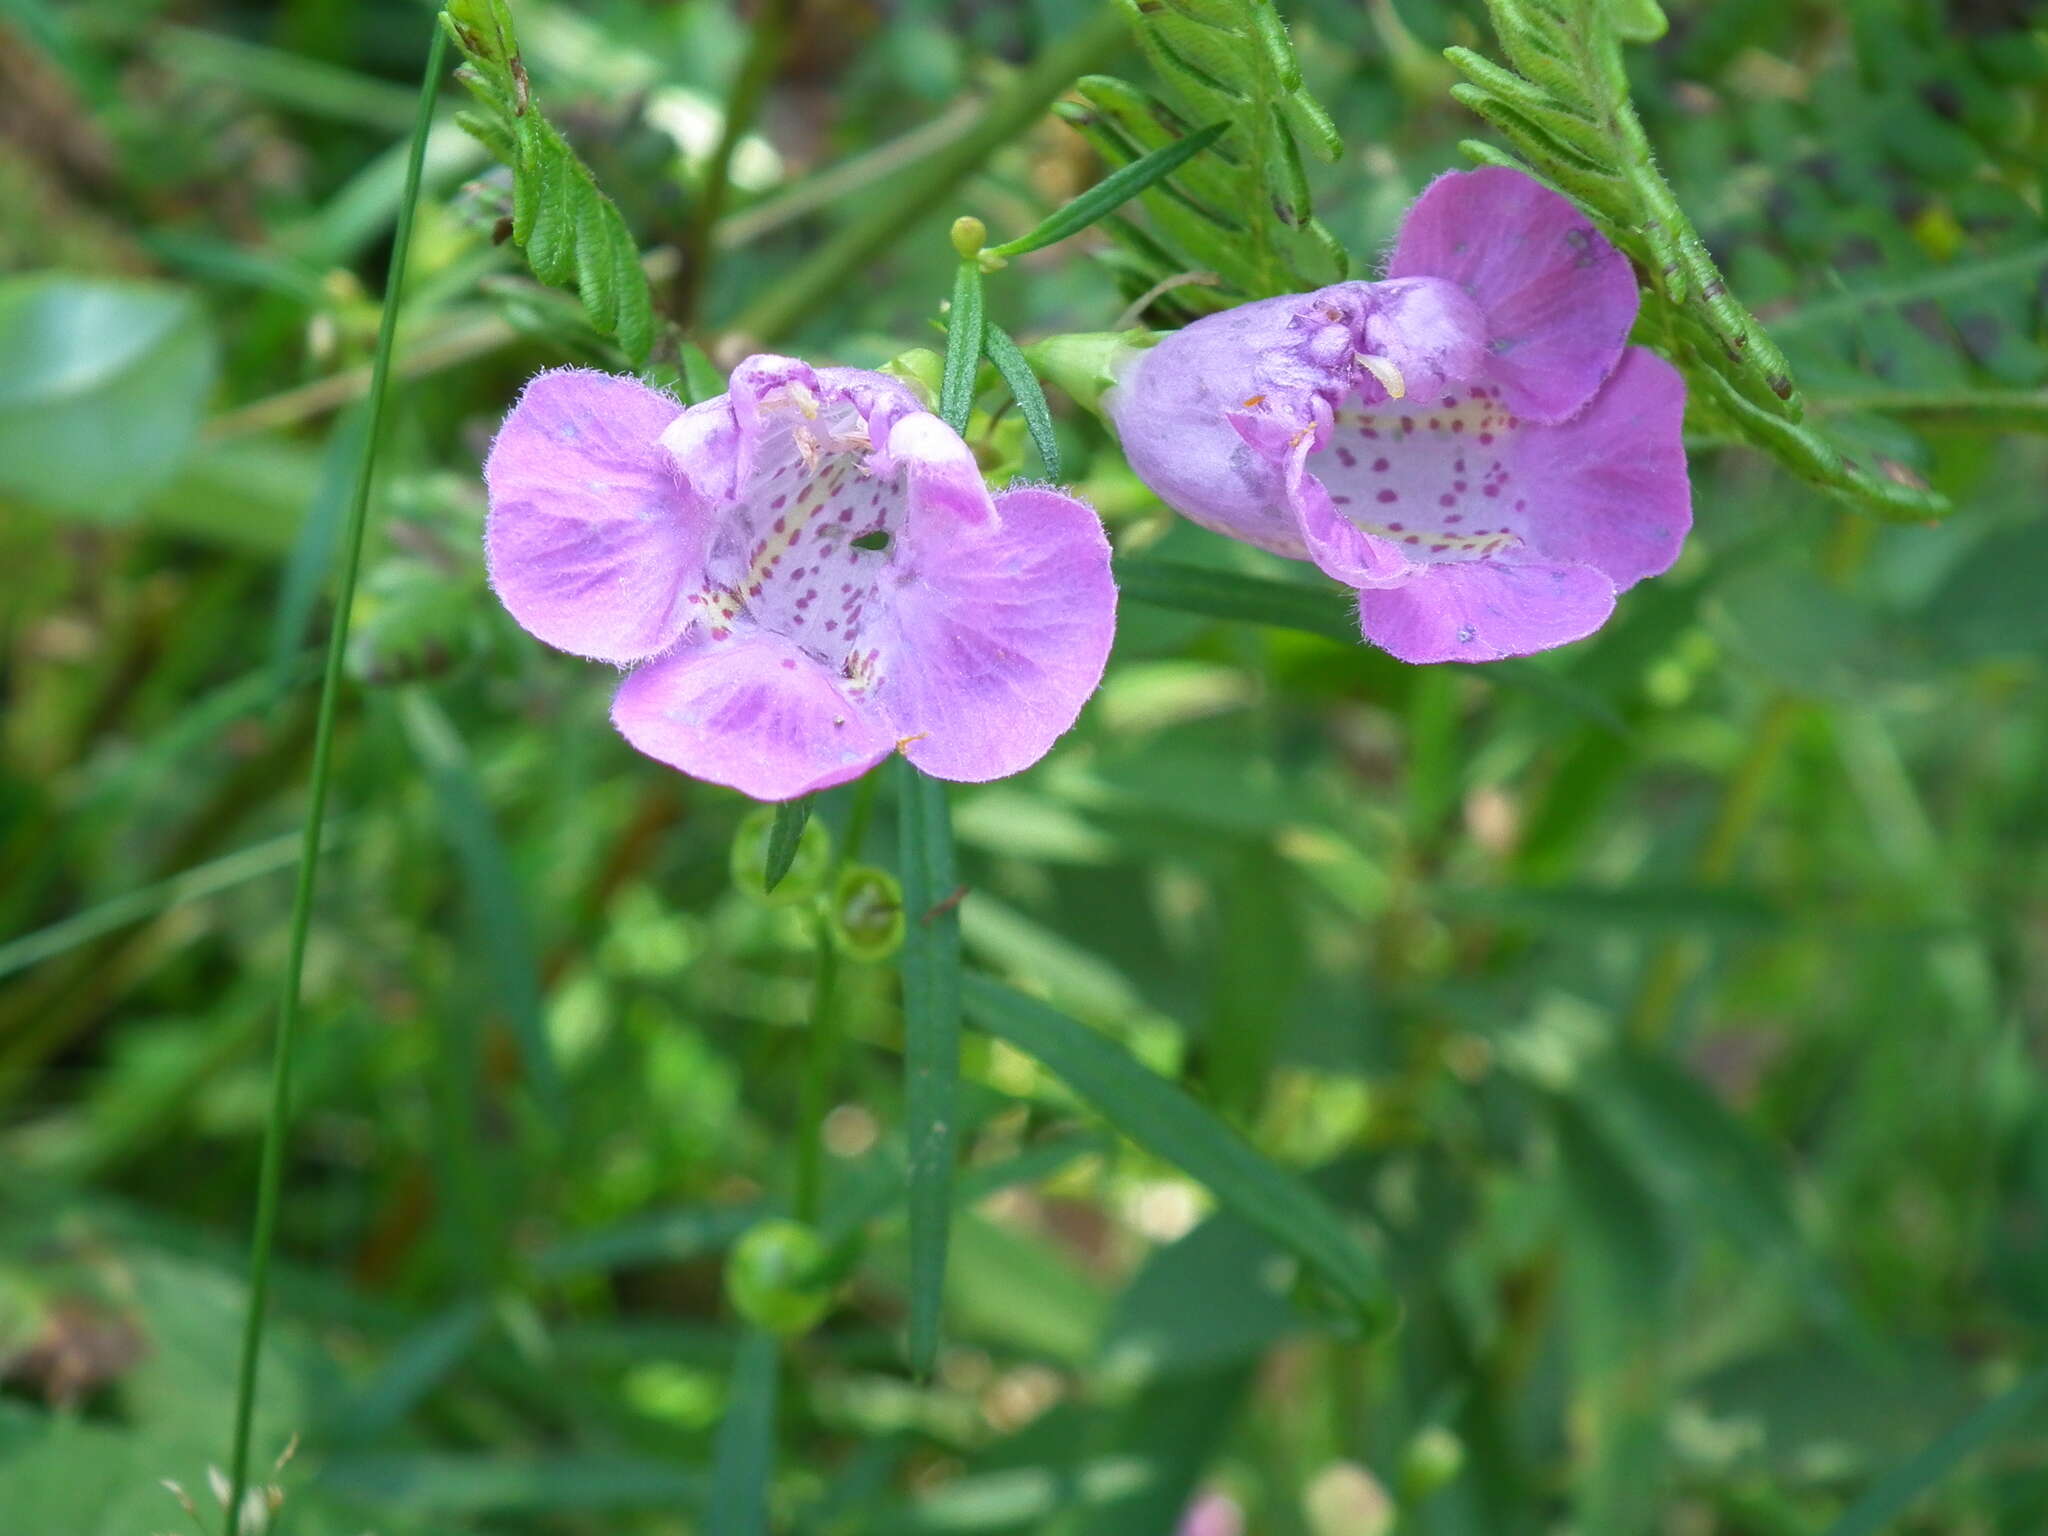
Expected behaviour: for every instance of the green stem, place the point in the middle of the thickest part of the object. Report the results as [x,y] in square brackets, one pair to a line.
[821,1058]
[271,1176]
[920,188]
[765,46]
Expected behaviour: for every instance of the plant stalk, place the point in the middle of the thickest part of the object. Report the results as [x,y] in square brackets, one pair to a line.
[271,1176]
[766,43]
[922,187]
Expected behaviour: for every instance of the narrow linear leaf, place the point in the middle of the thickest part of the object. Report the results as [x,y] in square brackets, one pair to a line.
[486,868]
[1166,1122]
[1113,191]
[195,884]
[963,347]
[1220,594]
[931,1044]
[312,552]
[744,1461]
[1897,1491]
[1023,386]
[791,817]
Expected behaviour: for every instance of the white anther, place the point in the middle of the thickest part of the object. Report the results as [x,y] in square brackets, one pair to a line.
[1383,370]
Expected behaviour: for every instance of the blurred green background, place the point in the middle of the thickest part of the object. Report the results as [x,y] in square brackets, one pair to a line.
[1669,1011]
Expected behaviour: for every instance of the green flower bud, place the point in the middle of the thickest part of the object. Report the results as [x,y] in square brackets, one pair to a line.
[969,236]
[867,913]
[1430,1460]
[774,1277]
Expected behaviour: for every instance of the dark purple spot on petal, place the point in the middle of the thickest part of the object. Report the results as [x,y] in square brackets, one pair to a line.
[1388,496]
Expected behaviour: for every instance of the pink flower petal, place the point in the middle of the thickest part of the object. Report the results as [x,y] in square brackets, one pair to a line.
[1486,610]
[1608,488]
[756,714]
[1558,298]
[996,632]
[592,541]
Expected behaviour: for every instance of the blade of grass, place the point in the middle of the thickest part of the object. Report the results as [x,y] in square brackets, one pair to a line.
[1898,1490]
[194,884]
[1112,192]
[931,1045]
[271,1176]
[745,1458]
[1166,1122]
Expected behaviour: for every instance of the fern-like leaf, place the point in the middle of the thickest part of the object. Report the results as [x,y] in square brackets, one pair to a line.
[1566,109]
[1240,209]
[572,234]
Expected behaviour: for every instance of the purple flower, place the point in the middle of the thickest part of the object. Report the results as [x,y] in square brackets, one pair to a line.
[806,574]
[1470,443]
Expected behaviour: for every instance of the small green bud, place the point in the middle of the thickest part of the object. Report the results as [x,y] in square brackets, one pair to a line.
[969,236]
[1085,365]
[806,877]
[867,913]
[1344,1499]
[1430,1460]
[773,1277]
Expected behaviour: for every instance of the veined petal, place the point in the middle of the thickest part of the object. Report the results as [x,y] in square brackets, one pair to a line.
[592,540]
[1609,487]
[996,632]
[1559,300]
[1486,610]
[755,713]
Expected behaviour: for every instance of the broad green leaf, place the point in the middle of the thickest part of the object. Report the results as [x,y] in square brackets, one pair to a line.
[102,388]
[931,1042]
[1166,1122]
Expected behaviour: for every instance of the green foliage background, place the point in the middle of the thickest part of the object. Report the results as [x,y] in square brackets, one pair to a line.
[1664,1016]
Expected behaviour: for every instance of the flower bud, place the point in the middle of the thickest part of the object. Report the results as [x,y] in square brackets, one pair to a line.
[774,1277]
[969,236]
[867,913]
[1430,1460]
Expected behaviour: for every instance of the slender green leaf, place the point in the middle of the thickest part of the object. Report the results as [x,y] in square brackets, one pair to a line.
[931,1044]
[744,1461]
[1166,1122]
[784,838]
[964,322]
[312,552]
[443,1486]
[117,912]
[1219,594]
[1898,1490]
[1023,385]
[465,819]
[1114,190]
